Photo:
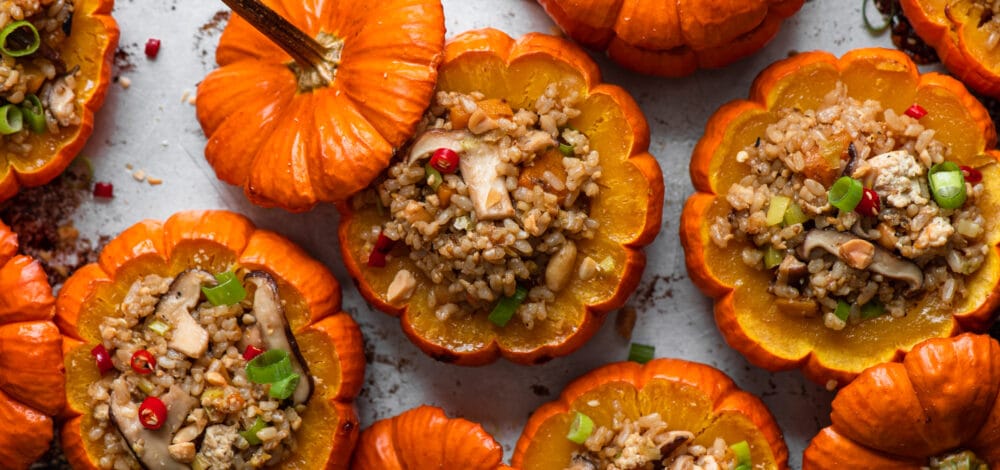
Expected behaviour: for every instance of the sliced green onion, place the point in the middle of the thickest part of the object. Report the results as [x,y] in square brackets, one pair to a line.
[434,178]
[772,257]
[776,210]
[566,149]
[641,353]
[947,185]
[843,310]
[30,48]
[159,327]
[34,113]
[794,215]
[284,388]
[742,466]
[607,264]
[10,119]
[272,366]
[742,452]
[845,194]
[229,291]
[887,18]
[146,386]
[379,207]
[200,463]
[505,308]
[873,309]
[581,429]
[251,434]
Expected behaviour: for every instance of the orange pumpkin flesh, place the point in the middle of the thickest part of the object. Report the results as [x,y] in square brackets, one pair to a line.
[672,38]
[746,314]
[91,46]
[951,28]
[628,207]
[941,398]
[292,147]
[216,241]
[32,381]
[688,396]
[425,438]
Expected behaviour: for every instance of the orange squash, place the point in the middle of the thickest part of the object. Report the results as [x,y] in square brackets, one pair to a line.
[91,47]
[32,381]
[424,438]
[687,395]
[322,126]
[744,309]
[941,399]
[628,207]
[216,241]
[672,38]
[958,30]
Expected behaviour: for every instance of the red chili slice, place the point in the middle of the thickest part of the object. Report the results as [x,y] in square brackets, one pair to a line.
[445,160]
[252,352]
[916,111]
[106,190]
[376,259]
[152,413]
[152,48]
[143,362]
[972,175]
[870,204]
[103,358]
[384,244]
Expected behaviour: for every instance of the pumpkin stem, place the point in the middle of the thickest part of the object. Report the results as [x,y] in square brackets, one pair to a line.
[306,51]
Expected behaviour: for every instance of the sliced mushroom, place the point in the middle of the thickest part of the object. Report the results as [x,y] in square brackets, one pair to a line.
[797,308]
[275,332]
[186,336]
[674,440]
[792,268]
[434,139]
[154,451]
[883,262]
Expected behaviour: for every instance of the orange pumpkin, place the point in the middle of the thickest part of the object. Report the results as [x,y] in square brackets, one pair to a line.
[628,207]
[960,32]
[425,438]
[322,126]
[687,395]
[31,370]
[941,399]
[91,47]
[672,38]
[744,309]
[216,241]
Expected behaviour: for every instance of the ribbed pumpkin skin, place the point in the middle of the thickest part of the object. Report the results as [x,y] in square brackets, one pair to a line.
[672,38]
[687,395]
[425,439]
[955,34]
[292,149]
[743,305]
[91,46]
[941,398]
[32,379]
[628,208]
[216,241]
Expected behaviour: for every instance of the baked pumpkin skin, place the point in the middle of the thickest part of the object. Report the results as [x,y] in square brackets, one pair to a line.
[951,28]
[91,46]
[215,241]
[425,438]
[672,38]
[688,396]
[941,398]
[744,310]
[32,380]
[629,207]
[292,147]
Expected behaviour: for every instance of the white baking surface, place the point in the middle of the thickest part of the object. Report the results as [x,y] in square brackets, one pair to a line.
[150,127]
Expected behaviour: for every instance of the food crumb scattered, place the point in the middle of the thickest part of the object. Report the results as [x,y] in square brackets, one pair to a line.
[154,181]
[625,322]
[125,82]
[139,175]
[831,385]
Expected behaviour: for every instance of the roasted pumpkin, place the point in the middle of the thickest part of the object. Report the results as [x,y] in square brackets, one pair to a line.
[745,311]
[319,122]
[425,438]
[674,38]
[939,402]
[32,381]
[627,208]
[687,396]
[965,34]
[90,46]
[216,241]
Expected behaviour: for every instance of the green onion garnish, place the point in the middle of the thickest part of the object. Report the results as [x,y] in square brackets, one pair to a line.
[873,309]
[434,178]
[284,388]
[505,308]
[159,327]
[229,290]
[776,209]
[742,452]
[269,367]
[33,112]
[794,215]
[28,48]
[251,434]
[146,386]
[947,185]
[772,257]
[845,194]
[641,353]
[566,149]
[10,119]
[843,310]
[581,429]
[887,18]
